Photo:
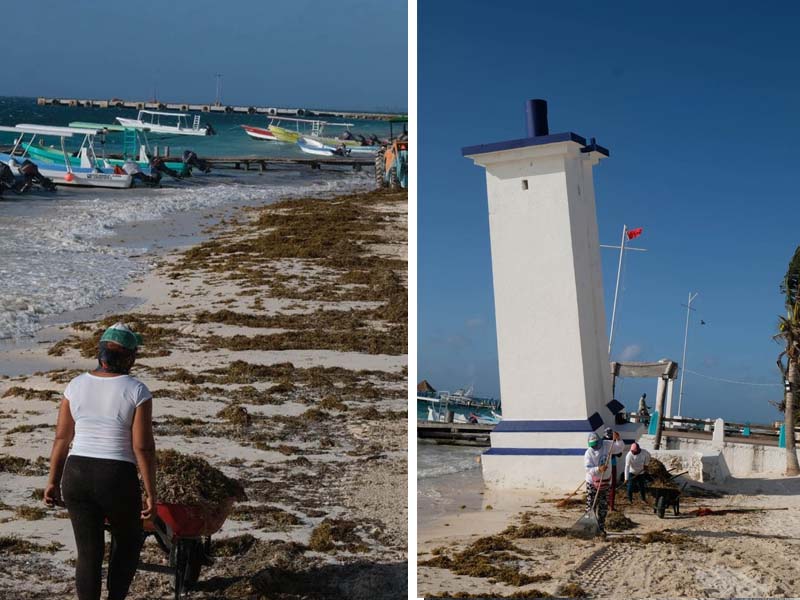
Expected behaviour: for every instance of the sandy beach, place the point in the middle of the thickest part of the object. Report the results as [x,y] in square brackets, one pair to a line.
[276,349]
[482,543]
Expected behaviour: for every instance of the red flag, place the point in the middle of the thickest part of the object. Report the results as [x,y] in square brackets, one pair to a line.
[634,233]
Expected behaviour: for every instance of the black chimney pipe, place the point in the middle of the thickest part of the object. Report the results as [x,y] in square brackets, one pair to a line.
[536,117]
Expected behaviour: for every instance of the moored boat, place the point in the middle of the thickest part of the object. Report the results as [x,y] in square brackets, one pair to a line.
[64,172]
[313,146]
[259,133]
[166,122]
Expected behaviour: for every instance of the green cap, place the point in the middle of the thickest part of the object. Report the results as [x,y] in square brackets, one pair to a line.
[122,335]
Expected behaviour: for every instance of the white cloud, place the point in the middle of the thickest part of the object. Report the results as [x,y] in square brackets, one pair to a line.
[474,322]
[630,352]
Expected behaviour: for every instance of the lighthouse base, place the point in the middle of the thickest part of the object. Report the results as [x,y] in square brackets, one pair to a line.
[553,460]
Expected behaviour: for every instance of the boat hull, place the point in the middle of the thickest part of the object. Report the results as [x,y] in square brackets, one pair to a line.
[260,134]
[332,141]
[315,150]
[284,135]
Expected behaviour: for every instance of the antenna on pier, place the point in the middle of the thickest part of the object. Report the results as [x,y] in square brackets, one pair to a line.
[218,101]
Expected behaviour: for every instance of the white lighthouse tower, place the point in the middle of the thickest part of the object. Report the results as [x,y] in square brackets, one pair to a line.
[548,291]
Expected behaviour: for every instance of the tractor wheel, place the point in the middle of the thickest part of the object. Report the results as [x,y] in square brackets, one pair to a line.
[394,182]
[380,169]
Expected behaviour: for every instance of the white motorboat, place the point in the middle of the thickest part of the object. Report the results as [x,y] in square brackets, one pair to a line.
[312,146]
[166,122]
[63,172]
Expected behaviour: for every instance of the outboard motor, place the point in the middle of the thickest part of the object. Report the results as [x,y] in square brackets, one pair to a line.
[7,179]
[210,129]
[346,135]
[190,159]
[364,141]
[31,174]
[158,168]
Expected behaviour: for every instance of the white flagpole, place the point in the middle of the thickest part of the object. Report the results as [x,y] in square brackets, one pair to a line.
[685,338]
[616,289]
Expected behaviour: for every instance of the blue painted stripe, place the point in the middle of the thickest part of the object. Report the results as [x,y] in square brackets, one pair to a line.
[566,426]
[536,451]
[541,140]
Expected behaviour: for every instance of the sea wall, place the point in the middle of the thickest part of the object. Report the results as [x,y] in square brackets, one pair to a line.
[710,460]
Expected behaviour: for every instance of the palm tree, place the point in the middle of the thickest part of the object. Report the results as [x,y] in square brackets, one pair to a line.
[789,333]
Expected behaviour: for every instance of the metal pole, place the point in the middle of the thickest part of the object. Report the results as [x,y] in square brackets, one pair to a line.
[616,289]
[683,360]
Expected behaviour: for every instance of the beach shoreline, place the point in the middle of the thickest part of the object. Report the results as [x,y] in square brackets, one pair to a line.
[324,446]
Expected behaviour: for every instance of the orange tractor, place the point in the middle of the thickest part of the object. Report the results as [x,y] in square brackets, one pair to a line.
[391,162]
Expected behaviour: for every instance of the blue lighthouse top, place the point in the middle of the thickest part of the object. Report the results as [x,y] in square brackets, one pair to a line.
[538,134]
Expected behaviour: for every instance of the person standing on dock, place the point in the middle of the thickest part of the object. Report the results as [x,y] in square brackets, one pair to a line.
[106,416]
[598,475]
[635,477]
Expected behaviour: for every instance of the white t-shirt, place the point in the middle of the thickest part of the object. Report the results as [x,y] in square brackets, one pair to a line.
[103,409]
[635,463]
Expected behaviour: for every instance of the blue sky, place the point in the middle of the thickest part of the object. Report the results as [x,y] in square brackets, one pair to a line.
[303,53]
[700,107]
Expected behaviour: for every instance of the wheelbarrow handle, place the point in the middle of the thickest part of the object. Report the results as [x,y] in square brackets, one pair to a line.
[163,530]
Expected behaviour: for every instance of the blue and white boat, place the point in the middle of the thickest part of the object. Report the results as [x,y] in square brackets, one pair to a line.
[62,173]
[312,146]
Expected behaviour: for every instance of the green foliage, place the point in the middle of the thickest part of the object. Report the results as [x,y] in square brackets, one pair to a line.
[791,284]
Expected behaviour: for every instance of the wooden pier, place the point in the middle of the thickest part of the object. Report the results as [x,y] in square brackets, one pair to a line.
[261,163]
[216,108]
[456,434]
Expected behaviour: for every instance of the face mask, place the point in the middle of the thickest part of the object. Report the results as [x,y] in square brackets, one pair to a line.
[592,444]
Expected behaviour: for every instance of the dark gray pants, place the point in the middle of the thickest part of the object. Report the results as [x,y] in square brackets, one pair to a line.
[601,506]
[96,489]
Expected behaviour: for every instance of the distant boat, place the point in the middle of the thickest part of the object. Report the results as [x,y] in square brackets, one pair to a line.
[259,134]
[464,406]
[312,146]
[63,172]
[166,122]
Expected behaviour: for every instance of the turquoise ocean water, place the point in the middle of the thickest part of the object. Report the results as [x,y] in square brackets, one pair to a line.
[60,252]
[231,140]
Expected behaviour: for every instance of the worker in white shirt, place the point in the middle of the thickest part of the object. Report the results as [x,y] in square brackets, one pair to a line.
[635,477]
[597,463]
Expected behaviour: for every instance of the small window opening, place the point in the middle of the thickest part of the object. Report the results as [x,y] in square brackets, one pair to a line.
[524,184]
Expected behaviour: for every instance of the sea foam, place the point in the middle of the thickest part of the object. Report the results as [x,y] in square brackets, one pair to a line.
[55,254]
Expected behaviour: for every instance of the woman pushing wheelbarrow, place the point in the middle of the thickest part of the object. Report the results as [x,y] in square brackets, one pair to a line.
[107,417]
[596,460]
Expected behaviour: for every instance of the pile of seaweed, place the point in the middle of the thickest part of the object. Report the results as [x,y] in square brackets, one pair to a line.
[659,476]
[494,557]
[617,521]
[184,479]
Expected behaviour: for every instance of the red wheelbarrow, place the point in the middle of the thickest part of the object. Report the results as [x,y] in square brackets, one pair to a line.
[183,532]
